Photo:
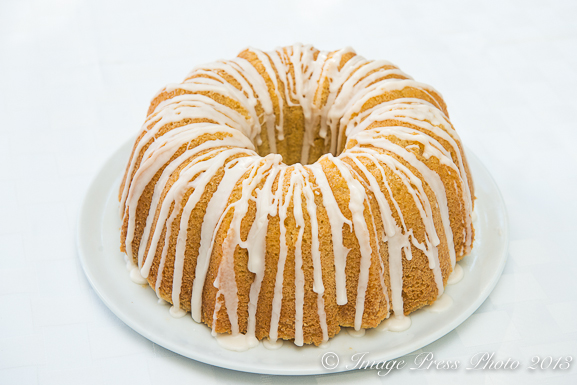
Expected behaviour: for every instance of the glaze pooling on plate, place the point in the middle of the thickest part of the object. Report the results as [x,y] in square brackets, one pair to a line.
[456,276]
[441,304]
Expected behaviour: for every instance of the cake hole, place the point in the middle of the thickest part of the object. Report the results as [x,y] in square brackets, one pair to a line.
[293,142]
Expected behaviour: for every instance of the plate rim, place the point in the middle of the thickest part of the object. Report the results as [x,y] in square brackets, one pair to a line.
[86,209]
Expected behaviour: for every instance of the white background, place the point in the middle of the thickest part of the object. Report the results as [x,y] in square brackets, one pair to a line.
[76,78]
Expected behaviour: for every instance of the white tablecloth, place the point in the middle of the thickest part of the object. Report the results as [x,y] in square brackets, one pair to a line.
[76,77]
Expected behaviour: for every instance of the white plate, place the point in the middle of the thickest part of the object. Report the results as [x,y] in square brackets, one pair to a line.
[98,241]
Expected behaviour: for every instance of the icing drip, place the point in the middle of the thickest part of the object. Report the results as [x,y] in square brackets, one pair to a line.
[299,187]
[136,277]
[355,333]
[318,286]
[456,276]
[226,280]
[256,241]
[357,206]
[395,324]
[197,149]
[272,345]
[441,304]
[299,274]
[176,312]
[282,214]
[215,207]
[337,220]
[302,86]
[237,343]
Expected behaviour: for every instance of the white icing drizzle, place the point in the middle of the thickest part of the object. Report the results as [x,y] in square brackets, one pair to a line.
[318,287]
[226,279]
[225,140]
[302,87]
[256,240]
[392,236]
[397,239]
[215,207]
[336,220]
[176,312]
[416,112]
[277,295]
[357,208]
[299,274]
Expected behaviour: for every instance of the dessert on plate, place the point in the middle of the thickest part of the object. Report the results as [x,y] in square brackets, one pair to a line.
[283,195]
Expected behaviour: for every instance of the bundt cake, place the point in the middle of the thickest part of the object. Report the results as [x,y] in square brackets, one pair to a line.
[285,194]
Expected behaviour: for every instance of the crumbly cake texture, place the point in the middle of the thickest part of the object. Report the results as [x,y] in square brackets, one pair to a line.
[285,194]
